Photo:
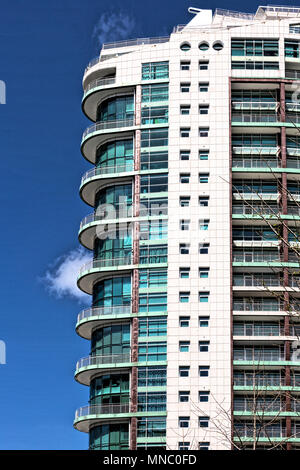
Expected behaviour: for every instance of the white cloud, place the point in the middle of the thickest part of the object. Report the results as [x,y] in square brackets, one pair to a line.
[113,27]
[60,279]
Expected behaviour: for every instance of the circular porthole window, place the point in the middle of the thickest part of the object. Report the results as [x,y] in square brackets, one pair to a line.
[203,46]
[185,46]
[218,46]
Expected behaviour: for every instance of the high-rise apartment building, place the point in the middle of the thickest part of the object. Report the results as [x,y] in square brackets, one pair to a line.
[195,190]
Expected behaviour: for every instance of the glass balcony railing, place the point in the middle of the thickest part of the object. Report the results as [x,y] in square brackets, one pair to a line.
[256,305]
[255,105]
[106,170]
[259,405]
[255,150]
[246,209]
[112,408]
[293,163]
[258,330]
[104,263]
[269,432]
[259,380]
[99,83]
[292,106]
[295,74]
[255,163]
[94,361]
[257,355]
[252,117]
[107,310]
[256,280]
[248,257]
[292,118]
[108,125]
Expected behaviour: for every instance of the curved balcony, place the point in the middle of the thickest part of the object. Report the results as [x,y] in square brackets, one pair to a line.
[97,133]
[89,366]
[98,90]
[95,317]
[94,179]
[95,269]
[95,224]
[95,414]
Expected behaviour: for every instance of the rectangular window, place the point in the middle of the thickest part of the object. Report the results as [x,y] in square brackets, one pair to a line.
[203,346]
[152,326]
[184,201]
[155,70]
[203,248]
[157,183]
[184,322]
[203,322]
[184,346]
[203,397]
[203,108]
[185,87]
[203,445]
[254,47]
[154,138]
[152,376]
[184,178]
[203,131]
[203,224]
[155,92]
[184,273]
[294,28]
[152,352]
[184,248]
[185,109]
[183,445]
[203,64]
[184,421]
[184,397]
[151,427]
[184,297]
[184,371]
[203,421]
[254,65]
[203,273]
[203,87]
[203,371]
[203,200]
[153,278]
[203,296]
[154,115]
[203,154]
[185,154]
[185,131]
[185,65]
[184,224]
[153,302]
[203,177]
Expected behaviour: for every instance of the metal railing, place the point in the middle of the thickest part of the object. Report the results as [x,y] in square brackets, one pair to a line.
[106,125]
[104,263]
[102,360]
[245,209]
[257,330]
[257,306]
[255,105]
[113,408]
[292,74]
[254,257]
[257,355]
[260,405]
[255,163]
[247,430]
[106,170]
[251,117]
[102,311]
[292,106]
[99,82]
[256,280]
[292,118]
[268,380]
[255,150]
[135,42]
[108,212]
[293,163]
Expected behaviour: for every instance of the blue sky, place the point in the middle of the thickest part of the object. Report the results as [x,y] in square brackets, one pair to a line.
[44,47]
